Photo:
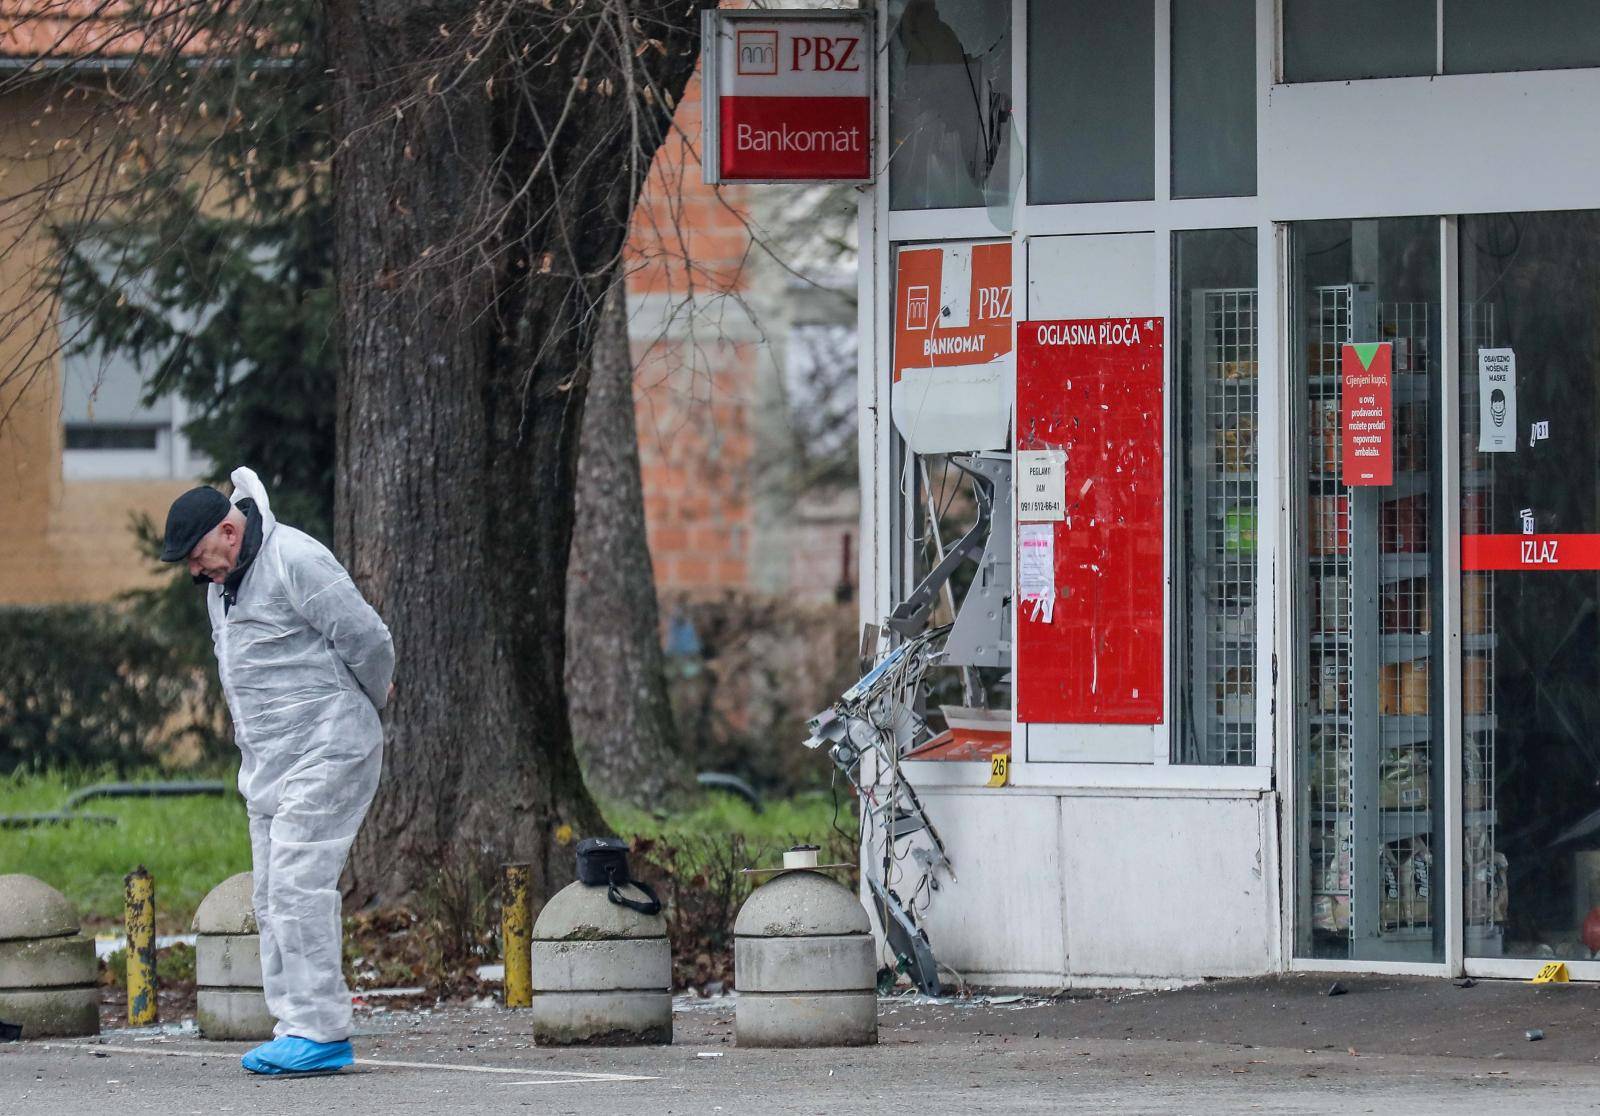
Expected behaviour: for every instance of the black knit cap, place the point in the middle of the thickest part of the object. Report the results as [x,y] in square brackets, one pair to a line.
[193,514]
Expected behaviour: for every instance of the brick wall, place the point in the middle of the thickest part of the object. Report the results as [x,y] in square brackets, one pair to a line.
[698,363]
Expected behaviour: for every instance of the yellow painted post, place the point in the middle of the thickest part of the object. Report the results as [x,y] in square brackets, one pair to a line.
[141,951]
[516,932]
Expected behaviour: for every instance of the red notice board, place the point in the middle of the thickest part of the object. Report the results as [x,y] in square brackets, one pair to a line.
[1092,389]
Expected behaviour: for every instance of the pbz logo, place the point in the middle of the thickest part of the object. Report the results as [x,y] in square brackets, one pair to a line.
[826,54]
[758,53]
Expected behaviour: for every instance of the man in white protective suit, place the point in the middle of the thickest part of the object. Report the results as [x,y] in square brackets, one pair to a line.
[306,664]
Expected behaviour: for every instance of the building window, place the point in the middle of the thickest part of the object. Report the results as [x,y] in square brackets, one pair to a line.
[1091,102]
[1483,36]
[111,428]
[1216,465]
[949,103]
[1343,40]
[1213,98]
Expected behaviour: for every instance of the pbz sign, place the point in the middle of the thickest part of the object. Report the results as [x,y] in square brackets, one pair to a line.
[826,53]
[787,96]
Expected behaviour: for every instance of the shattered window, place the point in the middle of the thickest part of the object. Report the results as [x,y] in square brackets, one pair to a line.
[949,103]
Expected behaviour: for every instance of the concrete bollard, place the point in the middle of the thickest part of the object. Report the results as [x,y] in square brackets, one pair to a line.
[229,1003]
[48,974]
[804,965]
[602,973]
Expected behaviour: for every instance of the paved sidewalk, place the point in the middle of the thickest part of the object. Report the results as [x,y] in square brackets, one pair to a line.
[1392,1045]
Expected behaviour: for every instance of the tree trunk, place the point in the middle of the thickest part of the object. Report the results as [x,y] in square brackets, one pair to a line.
[616,682]
[490,155]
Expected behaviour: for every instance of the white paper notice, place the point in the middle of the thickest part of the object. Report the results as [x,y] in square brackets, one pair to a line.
[1036,569]
[1041,486]
[1497,401]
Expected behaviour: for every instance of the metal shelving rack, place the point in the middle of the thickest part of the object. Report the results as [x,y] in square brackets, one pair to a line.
[1222,528]
[1327,608]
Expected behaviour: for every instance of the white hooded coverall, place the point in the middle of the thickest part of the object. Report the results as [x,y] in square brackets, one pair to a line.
[305,664]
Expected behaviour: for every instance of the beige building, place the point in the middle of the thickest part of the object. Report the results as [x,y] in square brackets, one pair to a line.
[79,454]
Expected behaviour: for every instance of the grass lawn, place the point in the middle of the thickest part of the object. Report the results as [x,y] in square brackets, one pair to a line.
[192,844]
[189,845]
[805,819]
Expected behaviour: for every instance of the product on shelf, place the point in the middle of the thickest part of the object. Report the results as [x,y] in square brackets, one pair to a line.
[1236,445]
[1333,687]
[1236,699]
[1403,689]
[1325,436]
[1235,620]
[1330,525]
[1330,883]
[1329,774]
[1474,685]
[1487,894]
[1475,590]
[1404,523]
[1331,913]
[1239,530]
[1406,883]
[1333,603]
[1238,370]
[1476,774]
[1406,606]
[1403,783]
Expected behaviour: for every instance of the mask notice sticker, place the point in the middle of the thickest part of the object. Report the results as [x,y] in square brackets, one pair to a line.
[1497,401]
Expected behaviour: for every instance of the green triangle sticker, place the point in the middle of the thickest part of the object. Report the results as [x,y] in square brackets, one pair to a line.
[1366,350]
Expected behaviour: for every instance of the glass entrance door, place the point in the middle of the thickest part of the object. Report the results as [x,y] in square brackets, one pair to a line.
[1530,584]
[1368,635]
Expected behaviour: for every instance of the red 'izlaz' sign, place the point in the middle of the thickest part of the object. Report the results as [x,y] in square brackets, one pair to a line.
[1366,413]
[1091,388]
[1530,552]
[788,98]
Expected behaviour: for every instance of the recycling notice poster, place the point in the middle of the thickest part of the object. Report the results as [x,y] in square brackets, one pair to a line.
[1497,401]
[1366,396]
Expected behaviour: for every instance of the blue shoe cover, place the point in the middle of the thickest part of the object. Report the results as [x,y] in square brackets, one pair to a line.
[293,1054]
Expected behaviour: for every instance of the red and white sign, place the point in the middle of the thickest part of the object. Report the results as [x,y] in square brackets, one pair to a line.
[1092,390]
[788,96]
[1530,552]
[952,385]
[1366,413]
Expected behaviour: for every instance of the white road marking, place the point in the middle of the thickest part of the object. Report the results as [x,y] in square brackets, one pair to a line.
[577,1074]
[553,1077]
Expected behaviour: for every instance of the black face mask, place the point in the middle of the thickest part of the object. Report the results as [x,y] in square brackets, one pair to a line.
[201,579]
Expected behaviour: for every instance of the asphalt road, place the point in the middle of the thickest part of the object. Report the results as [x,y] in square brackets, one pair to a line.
[1393,1046]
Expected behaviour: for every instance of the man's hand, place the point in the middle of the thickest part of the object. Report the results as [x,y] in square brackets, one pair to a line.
[390,695]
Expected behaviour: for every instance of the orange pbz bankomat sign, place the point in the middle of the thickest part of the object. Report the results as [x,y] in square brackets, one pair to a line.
[952,361]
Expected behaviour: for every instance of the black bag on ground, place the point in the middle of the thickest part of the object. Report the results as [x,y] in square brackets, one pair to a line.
[603,862]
